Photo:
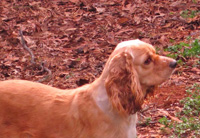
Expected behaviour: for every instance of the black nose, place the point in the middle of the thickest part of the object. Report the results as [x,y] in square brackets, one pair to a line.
[173,64]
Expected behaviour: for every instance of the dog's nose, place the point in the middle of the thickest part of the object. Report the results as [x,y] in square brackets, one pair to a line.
[173,64]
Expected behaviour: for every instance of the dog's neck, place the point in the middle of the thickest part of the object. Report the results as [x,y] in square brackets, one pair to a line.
[101,98]
[100,95]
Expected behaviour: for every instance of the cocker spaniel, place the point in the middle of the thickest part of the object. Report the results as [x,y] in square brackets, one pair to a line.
[105,108]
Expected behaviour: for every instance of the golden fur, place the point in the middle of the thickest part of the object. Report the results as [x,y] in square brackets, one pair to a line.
[105,108]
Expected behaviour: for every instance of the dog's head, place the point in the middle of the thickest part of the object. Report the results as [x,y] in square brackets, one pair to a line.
[132,72]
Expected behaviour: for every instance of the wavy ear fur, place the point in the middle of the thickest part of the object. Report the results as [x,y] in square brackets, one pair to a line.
[122,85]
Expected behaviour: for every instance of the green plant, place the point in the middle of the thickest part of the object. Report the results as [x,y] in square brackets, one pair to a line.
[157,50]
[194,1]
[184,50]
[192,104]
[188,14]
[188,37]
[190,115]
[171,40]
[165,122]
[192,50]
[187,126]
[78,59]
[176,50]
[69,75]
[148,120]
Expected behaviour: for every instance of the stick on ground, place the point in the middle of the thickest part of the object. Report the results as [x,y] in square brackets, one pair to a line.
[42,65]
[26,48]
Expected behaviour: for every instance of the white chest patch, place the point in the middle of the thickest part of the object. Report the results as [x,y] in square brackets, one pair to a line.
[132,127]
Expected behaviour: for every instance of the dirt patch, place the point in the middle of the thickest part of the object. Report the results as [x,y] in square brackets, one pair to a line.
[165,103]
[168,95]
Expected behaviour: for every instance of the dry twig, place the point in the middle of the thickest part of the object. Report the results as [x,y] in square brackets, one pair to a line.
[26,48]
[47,70]
[42,65]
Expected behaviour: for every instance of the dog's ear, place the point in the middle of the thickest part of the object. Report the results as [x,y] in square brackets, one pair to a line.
[122,84]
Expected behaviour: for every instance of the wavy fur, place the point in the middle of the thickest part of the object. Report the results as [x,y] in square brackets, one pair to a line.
[122,85]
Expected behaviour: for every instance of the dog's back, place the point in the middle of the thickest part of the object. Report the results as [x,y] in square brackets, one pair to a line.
[27,107]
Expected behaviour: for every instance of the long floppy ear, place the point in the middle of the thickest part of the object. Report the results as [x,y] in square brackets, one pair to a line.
[122,85]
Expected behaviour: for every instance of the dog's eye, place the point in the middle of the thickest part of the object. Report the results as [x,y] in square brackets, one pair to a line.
[148,61]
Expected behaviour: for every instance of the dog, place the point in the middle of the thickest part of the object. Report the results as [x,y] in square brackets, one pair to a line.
[105,108]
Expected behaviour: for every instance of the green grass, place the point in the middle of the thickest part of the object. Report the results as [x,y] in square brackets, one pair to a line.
[147,121]
[194,1]
[165,122]
[190,116]
[184,50]
[189,13]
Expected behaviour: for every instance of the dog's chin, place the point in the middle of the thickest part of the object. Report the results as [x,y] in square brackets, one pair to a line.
[150,91]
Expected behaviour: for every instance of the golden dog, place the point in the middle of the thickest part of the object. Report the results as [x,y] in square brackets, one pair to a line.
[105,108]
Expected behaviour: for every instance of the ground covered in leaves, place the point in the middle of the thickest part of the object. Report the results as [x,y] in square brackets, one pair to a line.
[74,38]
